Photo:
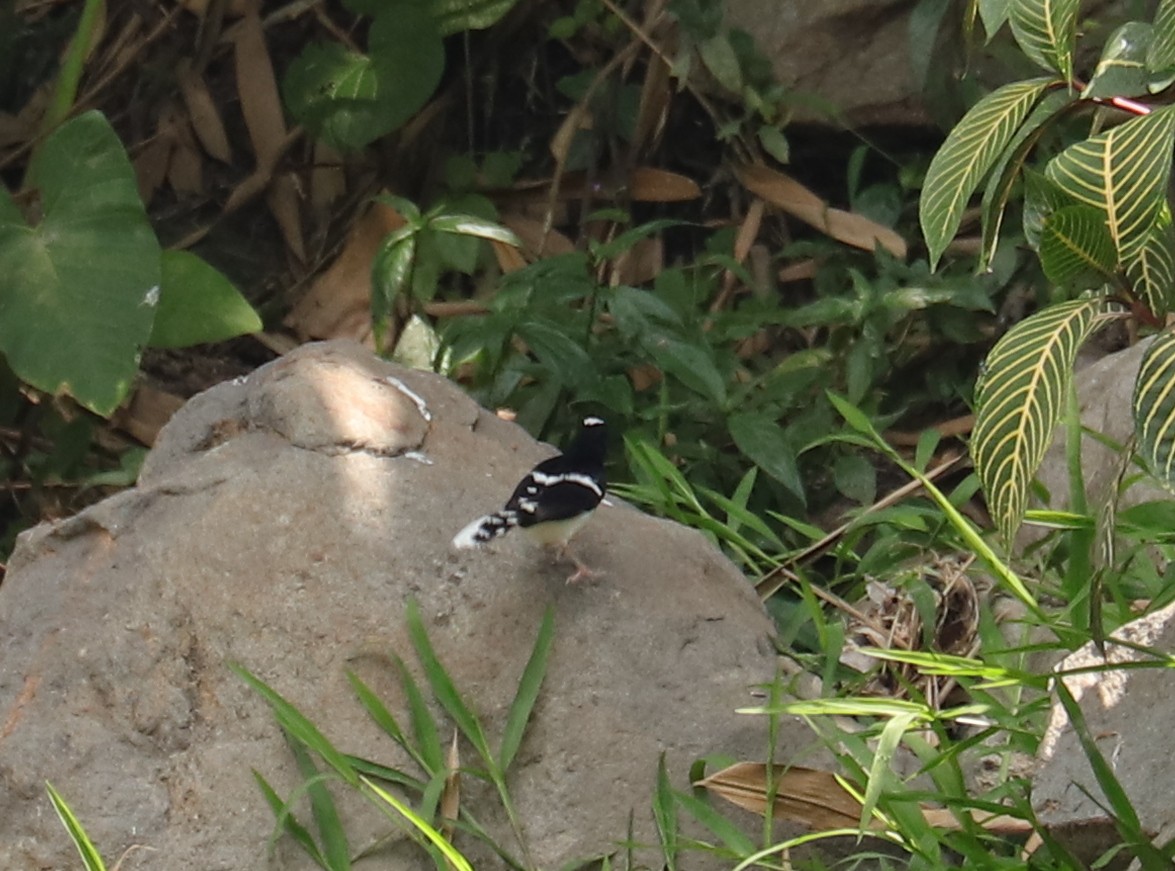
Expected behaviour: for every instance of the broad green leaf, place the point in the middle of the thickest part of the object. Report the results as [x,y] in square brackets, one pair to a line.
[1054,106]
[350,99]
[1161,53]
[1122,71]
[1020,398]
[970,151]
[456,15]
[80,288]
[721,60]
[1124,173]
[1042,197]
[1076,249]
[85,847]
[1152,269]
[993,13]
[1046,31]
[559,353]
[761,440]
[335,93]
[198,304]
[1154,407]
[391,271]
[690,363]
[471,225]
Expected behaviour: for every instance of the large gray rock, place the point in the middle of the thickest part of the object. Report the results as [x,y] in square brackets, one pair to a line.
[282,522]
[1129,712]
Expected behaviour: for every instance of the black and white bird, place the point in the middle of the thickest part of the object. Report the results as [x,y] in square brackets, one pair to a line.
[554,500]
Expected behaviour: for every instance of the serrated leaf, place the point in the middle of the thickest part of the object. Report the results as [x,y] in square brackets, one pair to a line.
[1152,270]
[1161,53]
[79,290]
[1123,172]
[1020,399]
[1154,407]
[1046,31]
[197,304]
[1122,71]
[1076,249]
[968,154]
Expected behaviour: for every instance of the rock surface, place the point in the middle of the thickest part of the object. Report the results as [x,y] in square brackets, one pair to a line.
[282,522]
[1129,714]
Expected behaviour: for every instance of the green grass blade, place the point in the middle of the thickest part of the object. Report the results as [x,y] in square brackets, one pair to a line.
[298,727]
[458,862]
[879,772]
[1124,816]
[665,816]
[430,755]
[528,692]
[77,834]
[287,822]
[386,773]
[732,837]
[335,848]
[443,687]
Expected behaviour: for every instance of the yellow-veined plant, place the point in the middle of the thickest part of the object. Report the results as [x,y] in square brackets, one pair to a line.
[1096,213]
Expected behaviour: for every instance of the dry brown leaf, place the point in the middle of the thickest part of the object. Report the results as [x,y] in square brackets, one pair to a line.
[234,8]
[794,198]
[285,202]
[146,412]
[509,258]
[260,101]
[328,182]
[450,804]
[805,795]
[153,159]
[656,93]
[185,170]
[338,304]
[204,115]
[649,185]
[530,231]
[817,800]
[641,263]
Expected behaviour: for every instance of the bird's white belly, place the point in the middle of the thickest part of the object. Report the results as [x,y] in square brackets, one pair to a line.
[557,532]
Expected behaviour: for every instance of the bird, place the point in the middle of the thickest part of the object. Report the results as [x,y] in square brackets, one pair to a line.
[555,499]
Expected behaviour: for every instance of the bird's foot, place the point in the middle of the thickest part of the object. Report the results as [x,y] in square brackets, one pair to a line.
[582,572]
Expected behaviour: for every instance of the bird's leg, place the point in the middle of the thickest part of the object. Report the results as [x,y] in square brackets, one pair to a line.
[582,571]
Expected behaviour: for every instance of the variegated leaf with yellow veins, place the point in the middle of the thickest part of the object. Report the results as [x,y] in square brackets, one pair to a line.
[1123,173]
[1154,407]
[1046,31]
[968,154]
[1020,399]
